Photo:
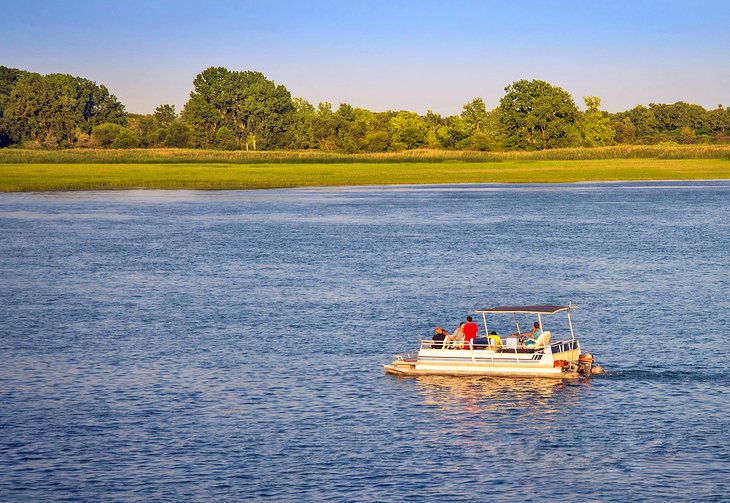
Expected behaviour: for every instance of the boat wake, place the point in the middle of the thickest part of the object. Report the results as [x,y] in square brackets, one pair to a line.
[668,376]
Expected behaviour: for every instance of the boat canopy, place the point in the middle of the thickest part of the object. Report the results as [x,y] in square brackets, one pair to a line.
[527,309]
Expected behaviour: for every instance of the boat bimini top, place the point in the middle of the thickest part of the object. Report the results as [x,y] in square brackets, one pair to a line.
[527,309]
[538,310]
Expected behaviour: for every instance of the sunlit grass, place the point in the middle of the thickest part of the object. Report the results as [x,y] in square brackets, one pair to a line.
[217,176]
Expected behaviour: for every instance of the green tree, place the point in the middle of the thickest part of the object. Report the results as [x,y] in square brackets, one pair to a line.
[644,122]
[225,139]
[302,136]
[474,114]
[409,131]
[537,115]
[347,112]
[328,128]
[177,135]
[258,111]
[687,135]
[450,133]
[433,122]
[718,121]
[8,78]
[678,115]
[625,129]
[595,126]
[681,121]
[51,109]
[377,141]
[207,108]
[165,115]
[28,113]
[354,128]
[147,129]
[371,130]
[478,128]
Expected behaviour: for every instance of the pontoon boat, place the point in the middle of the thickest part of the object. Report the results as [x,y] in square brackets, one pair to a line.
[507,356]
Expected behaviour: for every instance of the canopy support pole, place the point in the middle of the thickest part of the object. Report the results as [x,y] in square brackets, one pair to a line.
[570,323]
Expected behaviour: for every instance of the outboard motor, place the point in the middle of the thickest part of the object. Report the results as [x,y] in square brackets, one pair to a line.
[585,362]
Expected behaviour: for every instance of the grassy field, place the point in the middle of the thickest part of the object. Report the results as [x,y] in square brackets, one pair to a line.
[25,170]
[47,177]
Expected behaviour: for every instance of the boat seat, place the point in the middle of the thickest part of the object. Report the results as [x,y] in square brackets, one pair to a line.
[543,340]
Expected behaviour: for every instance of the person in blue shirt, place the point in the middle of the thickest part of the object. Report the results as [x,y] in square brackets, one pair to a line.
[530,339]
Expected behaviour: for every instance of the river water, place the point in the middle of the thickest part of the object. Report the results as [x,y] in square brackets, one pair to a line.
[228,346]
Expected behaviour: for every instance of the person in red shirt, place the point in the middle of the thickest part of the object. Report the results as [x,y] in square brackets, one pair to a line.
[470,330]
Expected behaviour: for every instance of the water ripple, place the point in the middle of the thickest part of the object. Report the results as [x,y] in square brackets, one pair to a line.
[205,346]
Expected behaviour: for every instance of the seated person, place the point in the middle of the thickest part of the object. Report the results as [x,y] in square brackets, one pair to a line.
[456,340]
[487,342]
[529,340]
[438,338]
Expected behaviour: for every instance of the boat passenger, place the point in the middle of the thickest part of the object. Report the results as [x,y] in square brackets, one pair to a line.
[495,339]
[487,342]
[529,340]
[470,330]
[455,340]
[438,338]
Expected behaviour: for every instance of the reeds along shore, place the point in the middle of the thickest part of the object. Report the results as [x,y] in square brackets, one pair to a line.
[197,156]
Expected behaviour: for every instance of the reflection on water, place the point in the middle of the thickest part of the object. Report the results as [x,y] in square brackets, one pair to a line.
[492,404]
[480,395]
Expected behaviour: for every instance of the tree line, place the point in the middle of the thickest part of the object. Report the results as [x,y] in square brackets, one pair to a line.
[243,110]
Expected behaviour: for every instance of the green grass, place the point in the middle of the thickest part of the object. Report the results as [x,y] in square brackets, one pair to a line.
[217,176]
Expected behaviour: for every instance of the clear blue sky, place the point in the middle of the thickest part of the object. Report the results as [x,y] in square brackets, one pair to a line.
[382,55]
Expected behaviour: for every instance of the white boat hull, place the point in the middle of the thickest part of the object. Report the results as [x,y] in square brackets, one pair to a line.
[472,362]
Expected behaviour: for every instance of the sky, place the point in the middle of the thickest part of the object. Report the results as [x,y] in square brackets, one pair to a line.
[382,55]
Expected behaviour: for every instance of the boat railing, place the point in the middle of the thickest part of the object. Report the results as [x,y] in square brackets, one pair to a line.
[505,346]
[495,353]
[459,345]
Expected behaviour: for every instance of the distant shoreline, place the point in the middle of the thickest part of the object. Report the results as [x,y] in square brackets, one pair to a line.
[172,169]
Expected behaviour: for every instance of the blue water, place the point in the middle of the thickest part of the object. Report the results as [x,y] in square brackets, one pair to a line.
[228,346]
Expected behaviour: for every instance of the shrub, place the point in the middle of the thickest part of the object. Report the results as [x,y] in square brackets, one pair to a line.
[126,138]
[104,135]
[477,141]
